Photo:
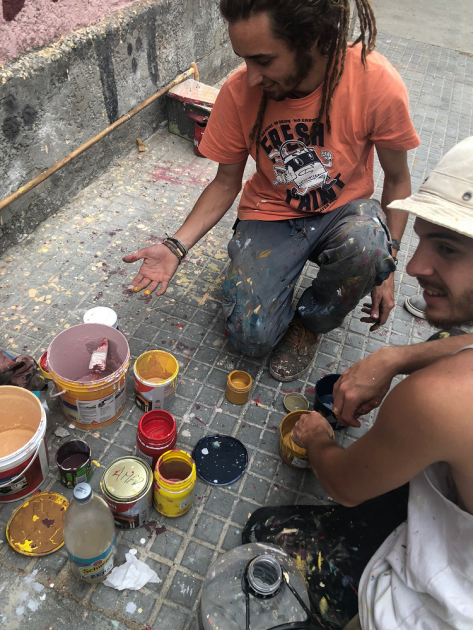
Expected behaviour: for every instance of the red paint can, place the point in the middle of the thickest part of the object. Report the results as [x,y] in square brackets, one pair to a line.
[199,129]
[156,434]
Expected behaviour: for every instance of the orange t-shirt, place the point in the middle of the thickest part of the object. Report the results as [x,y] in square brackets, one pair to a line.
[299,174]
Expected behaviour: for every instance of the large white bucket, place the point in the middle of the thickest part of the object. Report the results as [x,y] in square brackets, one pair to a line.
[22,469]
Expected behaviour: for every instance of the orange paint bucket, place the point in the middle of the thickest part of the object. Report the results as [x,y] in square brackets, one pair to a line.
[293,455]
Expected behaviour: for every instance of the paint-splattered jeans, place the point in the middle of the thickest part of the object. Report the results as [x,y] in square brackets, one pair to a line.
[351,245]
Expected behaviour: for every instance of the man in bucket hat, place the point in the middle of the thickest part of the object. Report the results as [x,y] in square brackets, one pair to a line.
[422,574]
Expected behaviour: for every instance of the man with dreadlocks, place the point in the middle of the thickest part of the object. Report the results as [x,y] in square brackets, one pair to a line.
[311,109]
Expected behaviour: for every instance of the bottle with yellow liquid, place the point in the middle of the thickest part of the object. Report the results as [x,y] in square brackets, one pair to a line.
[89,535]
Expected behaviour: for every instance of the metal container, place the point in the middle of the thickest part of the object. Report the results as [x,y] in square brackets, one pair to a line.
[127,487]
[295,402]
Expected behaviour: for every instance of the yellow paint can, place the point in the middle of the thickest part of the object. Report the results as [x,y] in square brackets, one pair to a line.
[174,481]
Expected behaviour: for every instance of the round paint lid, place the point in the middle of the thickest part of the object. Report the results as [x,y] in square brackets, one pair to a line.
[36,527]
[220,459]
[295,402]
[101,315]
[126,478]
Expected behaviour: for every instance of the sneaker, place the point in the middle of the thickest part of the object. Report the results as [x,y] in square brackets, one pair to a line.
[416,306]
[294,354]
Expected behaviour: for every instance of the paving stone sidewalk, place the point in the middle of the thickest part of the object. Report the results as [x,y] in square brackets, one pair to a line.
[74,262]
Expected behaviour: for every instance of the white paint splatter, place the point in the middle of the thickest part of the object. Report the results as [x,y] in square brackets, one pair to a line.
[51,585]
[33,605]
[23,596]
[186,433]
[38,587]
[20,610]
[142,541]
[215,480]
[247,242]
[133,551]
[205,451]
[130,608]
[43,597]
[31,577]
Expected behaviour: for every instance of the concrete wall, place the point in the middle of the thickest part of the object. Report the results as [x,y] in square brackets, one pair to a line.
[28,24]
[54,99]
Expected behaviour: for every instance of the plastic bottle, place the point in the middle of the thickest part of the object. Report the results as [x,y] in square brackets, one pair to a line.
[89,535]
[255,586]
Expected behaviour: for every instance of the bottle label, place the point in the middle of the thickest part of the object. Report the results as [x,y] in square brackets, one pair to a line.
[98,567]
[186,502]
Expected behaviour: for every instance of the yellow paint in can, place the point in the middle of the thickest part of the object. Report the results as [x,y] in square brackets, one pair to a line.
[174,481]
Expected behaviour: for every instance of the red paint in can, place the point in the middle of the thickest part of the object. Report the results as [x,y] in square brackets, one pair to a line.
[156,434]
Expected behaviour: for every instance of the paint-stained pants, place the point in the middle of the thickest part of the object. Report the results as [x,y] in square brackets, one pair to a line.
[351,245]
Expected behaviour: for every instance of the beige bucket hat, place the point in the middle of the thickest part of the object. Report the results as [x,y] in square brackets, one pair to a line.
[446,196]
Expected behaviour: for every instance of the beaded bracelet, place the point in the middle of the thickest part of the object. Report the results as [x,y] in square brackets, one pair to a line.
[172,247]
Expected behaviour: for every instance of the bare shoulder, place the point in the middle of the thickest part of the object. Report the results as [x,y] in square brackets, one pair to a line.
[439,395]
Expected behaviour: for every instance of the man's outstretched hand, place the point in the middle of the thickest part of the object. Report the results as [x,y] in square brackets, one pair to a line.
[158,267]
[362,387]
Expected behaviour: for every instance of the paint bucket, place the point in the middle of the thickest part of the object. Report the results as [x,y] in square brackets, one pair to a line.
[290,453]
[74,463]
[127,487]
[89,404]
[324,399]
[43,366]
[101,315]
[156,434]
[174,481]
[199,129]
[24,461]
[155,380]
[238,387]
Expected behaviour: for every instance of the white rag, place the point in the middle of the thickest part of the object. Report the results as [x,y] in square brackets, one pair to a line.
[133,575]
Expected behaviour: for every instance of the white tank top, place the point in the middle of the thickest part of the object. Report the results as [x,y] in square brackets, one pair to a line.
[421,578]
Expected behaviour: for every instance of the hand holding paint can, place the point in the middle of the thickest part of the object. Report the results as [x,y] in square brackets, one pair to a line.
[89,536]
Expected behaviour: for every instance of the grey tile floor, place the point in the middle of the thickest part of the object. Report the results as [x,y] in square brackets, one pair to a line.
[73,262]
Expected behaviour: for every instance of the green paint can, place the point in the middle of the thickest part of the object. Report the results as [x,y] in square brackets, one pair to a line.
[74,463]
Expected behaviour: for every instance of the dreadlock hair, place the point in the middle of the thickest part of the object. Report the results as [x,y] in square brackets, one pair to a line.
[300,23]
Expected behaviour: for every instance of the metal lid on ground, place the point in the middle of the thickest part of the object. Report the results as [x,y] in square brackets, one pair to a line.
[295,402]
[220,459]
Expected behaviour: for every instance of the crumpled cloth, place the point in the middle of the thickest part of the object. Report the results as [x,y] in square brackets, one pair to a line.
[133,575]
[24,371]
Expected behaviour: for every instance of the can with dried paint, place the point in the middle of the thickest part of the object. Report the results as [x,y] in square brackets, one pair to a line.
[155,380]
[127,487]
[174,481]
[290,453]
[238,387]
[156,434]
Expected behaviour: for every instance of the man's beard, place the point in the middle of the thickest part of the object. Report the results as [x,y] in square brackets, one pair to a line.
[462,315]
[304,64]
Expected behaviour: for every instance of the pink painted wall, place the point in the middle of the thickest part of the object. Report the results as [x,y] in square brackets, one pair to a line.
[27,24]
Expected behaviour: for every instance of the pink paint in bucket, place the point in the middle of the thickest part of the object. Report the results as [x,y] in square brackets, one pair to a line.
[24,461]
[85,402]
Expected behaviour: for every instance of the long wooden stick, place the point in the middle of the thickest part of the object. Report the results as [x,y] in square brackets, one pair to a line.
[193,71]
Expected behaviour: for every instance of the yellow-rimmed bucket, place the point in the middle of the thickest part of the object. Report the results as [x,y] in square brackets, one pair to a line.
[174,481]
[155,380]
[89,404]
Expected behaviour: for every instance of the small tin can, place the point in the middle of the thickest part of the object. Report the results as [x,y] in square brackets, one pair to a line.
[127,486]
[101,315]
[74,463]
[295,402]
